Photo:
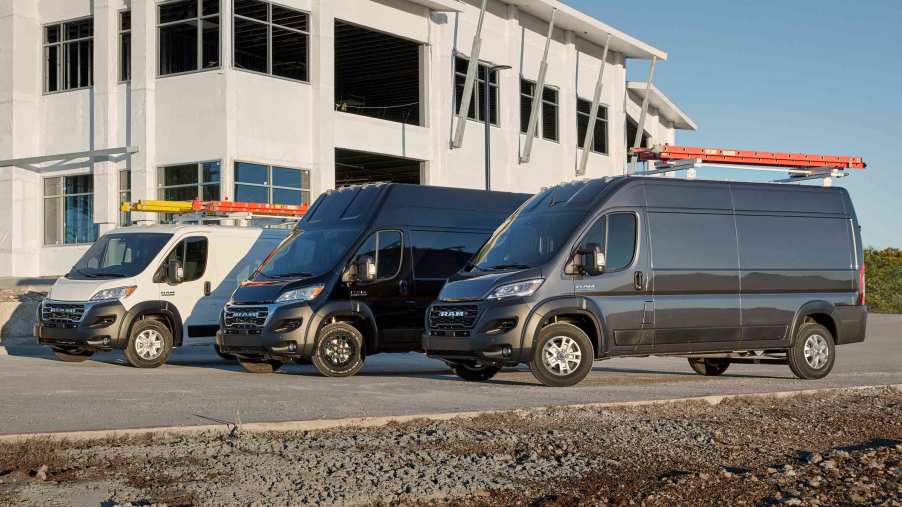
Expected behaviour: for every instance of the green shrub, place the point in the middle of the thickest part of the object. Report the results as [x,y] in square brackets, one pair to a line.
[884,280]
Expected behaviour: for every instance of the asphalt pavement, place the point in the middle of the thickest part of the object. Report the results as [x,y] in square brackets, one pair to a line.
[40,394]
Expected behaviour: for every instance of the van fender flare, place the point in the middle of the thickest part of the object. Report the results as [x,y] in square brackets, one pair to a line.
[356,309]
[818,306]
[137,312]
[561,306]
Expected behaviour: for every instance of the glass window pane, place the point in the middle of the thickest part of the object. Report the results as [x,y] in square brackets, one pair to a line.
[284,196]
[621,240]
[78,29]
[388,260]
[125,57]
[252,9]
[178,48]
[289,17]
[79,184]
[305,179]
[180,175]
[85,67]
[51,81]
[251,45]
[285,177]
[53,186]
[251,193]
[71,66]
[441,254]
[125,180]
[210,7]
[601,137]
[305,197]
[250,173]
[195,258]
[51,220]
[179,194]
[549,121]
[211,193]
[460,65]
[175,11]
[79,219]
[583,106]
[125,20]
[210,29]
[289,54]
[52,34]
[595,235]
[211,172]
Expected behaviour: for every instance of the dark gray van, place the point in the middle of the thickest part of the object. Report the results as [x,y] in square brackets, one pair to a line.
[356,275]
[718,272]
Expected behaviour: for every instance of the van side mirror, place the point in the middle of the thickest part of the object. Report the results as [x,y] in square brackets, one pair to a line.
[366,268]
[594,261]
[174,272]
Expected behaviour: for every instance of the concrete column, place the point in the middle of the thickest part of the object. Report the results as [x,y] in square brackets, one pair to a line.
[142,122]
[322,76]
[231,106]
[103,135]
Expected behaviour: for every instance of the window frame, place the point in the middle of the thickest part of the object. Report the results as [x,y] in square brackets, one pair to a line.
[200,34]
[61,210]
[161,172]
[376,260]
[557,106]
[269,24]
[182,243]
[604,121]
[607,233]
[269,186]
[414,249]
[125,195]
[61,64]
[477,89]
[123,34]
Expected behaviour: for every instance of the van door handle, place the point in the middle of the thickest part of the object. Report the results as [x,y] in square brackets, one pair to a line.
[402,287]
[639,280]
[207,288]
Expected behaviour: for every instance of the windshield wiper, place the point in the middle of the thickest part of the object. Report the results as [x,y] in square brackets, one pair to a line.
[507,266]
[109,275]
[290,275]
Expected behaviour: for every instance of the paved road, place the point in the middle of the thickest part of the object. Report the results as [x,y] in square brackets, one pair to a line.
[39,394]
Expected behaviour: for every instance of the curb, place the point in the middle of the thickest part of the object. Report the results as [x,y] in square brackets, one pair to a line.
[374,422]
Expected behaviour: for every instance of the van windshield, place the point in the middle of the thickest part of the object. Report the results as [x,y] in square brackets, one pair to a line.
[527,240]
[306,253]
[119,255]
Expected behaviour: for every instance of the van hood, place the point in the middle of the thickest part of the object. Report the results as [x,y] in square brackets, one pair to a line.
[266,291]
[67,289]
[475,286]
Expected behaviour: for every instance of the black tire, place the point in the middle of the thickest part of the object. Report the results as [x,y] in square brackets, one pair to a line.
[816,362]
[220,353]
[339,350]
[709,367]
[475,372]
[140,355]
[258,366]
[72,356]
[545,373]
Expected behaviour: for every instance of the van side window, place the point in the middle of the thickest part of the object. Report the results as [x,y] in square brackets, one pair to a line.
[192,255]
[386,248]
[616,235]
[693,241]
[439,254]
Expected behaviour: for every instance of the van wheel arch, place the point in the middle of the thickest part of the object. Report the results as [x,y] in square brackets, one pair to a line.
[817,312]
[157,310]
[581,313]
[357,314]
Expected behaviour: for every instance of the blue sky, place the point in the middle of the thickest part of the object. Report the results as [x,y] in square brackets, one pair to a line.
[818,76]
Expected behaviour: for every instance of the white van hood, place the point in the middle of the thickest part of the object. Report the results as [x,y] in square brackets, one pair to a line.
[66,289]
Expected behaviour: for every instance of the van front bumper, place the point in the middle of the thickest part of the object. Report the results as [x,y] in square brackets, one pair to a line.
[495,336]
[79,325]
[280,334]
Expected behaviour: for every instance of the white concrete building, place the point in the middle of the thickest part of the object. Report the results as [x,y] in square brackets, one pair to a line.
[110,100]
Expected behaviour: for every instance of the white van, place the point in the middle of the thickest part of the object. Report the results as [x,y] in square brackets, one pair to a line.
[147,289]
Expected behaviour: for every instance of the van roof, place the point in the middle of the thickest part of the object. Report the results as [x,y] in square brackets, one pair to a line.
[657,192]
[226,230]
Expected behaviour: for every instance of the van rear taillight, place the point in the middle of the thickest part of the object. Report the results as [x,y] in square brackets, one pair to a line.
[861,285]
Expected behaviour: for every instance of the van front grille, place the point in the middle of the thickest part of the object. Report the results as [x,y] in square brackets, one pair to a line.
[54,312]
[245,319]
[449,318]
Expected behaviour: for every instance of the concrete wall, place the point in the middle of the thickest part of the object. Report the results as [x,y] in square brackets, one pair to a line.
[229,115]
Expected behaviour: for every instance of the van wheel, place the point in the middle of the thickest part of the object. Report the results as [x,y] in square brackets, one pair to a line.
[339,350]
[269,366]
[220,353]
[812,353]
[709,367]
[149,344]
[562,356]
[72,356]
[474,371]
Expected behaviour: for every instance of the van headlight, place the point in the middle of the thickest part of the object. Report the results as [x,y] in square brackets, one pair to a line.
[303,294]
[513,290]
[117,293]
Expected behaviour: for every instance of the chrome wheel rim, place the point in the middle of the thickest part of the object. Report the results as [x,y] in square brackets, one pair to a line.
[338,349]
[816,351]
[149,344]
[561,355]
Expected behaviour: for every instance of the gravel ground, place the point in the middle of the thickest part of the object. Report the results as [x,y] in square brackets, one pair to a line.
[840,448]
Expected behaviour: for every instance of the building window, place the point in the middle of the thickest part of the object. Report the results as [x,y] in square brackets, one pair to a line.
[600,139]
[548,113]
[69,55]
[189,36]
[632,126]
[125,195]
[69,210]
[460,77]
[125,45]
[187,182]
[271,185]
[271,39]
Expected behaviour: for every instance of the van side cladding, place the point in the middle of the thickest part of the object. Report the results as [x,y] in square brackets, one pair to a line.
[357,274]
[718,272]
